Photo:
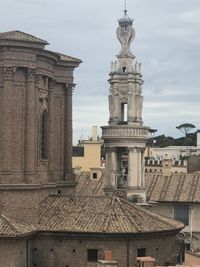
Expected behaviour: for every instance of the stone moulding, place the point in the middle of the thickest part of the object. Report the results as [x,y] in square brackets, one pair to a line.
[125,131]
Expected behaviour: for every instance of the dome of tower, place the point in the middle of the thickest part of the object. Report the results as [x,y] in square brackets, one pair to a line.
[125,20]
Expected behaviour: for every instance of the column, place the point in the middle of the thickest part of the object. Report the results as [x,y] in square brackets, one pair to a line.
[142,168]
[132,167]
[113,172]
[6,126]
[50,128]
[111,168]
[68,176]
[30,128]
[108,182]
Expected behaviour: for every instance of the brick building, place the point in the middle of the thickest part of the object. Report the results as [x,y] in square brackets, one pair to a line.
[36,123]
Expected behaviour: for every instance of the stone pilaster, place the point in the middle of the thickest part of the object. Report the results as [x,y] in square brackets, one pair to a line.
[113,173]
[68,176]
[6,148]
[132,168]
[50,128]
[111,168]
[30,128]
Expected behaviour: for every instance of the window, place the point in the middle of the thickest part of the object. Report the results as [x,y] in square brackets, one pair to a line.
[124,112]
[43,135]
[141,252]
[181,213]
[94,175]
[124,69]
[92,255]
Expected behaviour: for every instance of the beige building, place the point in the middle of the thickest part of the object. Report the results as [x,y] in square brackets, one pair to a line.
[87,155]
[177,196]
[166,166]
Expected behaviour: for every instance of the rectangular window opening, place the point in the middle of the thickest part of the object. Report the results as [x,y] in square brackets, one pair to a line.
[94,175]
[181,213]
[124,112]
[141,252]
[92,255]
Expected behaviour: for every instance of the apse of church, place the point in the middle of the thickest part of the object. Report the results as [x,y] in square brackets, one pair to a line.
[36,111]
[125,136]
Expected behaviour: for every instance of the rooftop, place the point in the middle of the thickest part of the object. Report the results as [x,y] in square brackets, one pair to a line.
[12,228]
[21,36]
[100,214]
[175,188]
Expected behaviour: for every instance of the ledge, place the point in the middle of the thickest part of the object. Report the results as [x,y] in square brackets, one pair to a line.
[37,186]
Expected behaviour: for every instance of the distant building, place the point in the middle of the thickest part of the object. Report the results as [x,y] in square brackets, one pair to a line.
[87,155]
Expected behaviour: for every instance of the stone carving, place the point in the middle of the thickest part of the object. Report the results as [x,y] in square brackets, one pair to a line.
[31,75]
[8,73]
[70,88]
[125,36]
[137,67]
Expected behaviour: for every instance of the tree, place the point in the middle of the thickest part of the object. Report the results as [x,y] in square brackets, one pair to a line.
[185,128]
[152,132]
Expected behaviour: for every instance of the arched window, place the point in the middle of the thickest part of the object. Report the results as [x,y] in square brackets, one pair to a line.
[43,135]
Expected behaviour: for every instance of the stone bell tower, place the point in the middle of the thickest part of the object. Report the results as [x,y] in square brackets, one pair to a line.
[125,136]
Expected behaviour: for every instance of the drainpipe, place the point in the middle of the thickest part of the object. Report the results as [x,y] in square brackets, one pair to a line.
[191,228]
[27,254]
[127,252]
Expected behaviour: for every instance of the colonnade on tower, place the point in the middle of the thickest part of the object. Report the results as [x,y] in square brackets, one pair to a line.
[125,136]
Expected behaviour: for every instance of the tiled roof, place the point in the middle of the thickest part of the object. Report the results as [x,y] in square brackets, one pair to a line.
[175,188]
[12,228]
[89,187]
[21,36]
[105,214]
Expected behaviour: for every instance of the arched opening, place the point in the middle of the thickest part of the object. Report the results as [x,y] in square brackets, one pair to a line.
[124,69]
[43,135]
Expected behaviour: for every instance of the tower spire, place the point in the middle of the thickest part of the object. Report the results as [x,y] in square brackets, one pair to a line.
[125,7]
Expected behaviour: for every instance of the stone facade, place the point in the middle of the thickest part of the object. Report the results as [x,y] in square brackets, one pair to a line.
[125,137]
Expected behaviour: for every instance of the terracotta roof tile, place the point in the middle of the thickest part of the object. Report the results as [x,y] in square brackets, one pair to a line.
[103,214]
[175,188]
[12,228]
[89,187]
[21,36]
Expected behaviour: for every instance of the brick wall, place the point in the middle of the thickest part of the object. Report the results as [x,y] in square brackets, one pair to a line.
[50,251]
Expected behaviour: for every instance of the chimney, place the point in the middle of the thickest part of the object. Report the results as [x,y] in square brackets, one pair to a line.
[198,138]
[145,262]
[107,260]
[94,133]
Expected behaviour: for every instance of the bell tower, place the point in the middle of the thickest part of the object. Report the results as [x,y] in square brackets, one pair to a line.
[125,136]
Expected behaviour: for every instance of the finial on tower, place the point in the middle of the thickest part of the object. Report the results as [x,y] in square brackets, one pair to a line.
[125,8]
[125,31]
[125,21]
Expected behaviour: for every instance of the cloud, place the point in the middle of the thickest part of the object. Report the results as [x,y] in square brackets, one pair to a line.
[167,43]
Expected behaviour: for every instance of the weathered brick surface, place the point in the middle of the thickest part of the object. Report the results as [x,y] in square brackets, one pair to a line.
[67,251]
[13,253]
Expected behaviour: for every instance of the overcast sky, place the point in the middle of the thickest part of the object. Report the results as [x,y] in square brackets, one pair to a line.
[167,44]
